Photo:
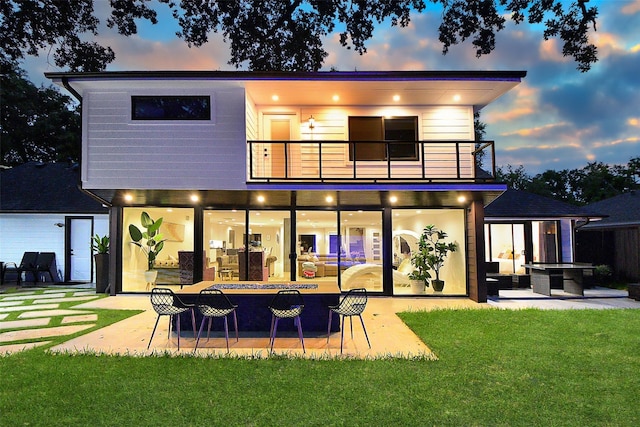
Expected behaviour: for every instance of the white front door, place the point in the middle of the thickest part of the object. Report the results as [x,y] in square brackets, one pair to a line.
[79,250]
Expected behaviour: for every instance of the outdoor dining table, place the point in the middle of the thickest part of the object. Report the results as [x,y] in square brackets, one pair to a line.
[571,277]
[253,300]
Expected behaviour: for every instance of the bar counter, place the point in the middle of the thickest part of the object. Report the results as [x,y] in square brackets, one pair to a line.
[253,300]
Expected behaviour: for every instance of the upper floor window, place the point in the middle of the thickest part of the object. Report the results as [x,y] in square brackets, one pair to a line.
[171,108]
[376,135]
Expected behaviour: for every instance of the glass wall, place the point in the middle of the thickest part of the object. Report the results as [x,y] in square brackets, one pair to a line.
[407,226]
[505,245]
[545,241]
[176,230]
[268,250]
[223,233]
[317,246]
[361,250]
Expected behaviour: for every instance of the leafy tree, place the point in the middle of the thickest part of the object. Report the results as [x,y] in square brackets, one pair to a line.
[594,182]
[598,181]
[554,184]
[282,35]
[37,124]
[517,178]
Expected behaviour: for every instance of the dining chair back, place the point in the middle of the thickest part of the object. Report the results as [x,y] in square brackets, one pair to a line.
[166,303]
[352,304]
[214,303]
[286,304]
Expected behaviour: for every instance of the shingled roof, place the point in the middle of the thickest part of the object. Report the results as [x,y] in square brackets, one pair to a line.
[622,211]
[522,204]
[45,188]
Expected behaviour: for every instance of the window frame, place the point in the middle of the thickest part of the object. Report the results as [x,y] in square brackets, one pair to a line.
[137,114]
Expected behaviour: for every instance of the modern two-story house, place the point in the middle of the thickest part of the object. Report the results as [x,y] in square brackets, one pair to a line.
[276,176]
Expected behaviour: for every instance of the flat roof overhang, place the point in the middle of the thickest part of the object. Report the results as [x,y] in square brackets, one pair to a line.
[307,195]
[374,88]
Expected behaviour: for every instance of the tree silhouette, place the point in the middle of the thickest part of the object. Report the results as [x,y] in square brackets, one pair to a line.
[282,35]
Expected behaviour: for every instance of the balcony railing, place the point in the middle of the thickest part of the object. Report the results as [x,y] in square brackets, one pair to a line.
[319,161]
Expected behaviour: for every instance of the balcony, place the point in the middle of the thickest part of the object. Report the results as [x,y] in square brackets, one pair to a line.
[371,161]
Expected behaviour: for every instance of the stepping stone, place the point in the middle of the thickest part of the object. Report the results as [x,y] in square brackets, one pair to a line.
[10,303]
[84,293]
[50,313]
[28,297]
[78,319]
[15,348]
[3,316]
[19,293]
[64,299]
[13,324]
[28,308]
[29,334]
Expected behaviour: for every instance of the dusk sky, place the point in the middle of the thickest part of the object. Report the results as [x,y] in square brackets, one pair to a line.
[558,118]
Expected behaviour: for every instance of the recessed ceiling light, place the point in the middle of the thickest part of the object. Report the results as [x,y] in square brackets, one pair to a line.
[462,199]
[393,199]
[275,98]
[194,198]
[336,98]
[457,98]
[128,197]
[261,199]
[329,199]
[396,98]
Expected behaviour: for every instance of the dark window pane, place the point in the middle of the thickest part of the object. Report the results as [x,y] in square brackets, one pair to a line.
[171,108]
[371,131]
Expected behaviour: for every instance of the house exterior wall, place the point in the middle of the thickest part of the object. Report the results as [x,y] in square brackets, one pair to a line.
[38,233]
[119,152]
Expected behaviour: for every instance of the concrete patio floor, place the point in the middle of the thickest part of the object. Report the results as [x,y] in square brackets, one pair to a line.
[388,335]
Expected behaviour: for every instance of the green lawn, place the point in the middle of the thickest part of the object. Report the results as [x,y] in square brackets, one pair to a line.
[495,367]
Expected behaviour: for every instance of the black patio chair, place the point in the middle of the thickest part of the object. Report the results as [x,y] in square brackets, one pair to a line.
[353,304]
[213,303]
[286,304]
[45,265]
[28,264]
[166,303]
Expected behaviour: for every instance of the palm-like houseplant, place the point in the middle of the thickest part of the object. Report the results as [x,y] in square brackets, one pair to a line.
[150,240]
[431,254]
[100,245]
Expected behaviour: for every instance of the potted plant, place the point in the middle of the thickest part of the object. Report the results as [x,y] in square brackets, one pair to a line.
[150,241]
[431,254]
[100,245]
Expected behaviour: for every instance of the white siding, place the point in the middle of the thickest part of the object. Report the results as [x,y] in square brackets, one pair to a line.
[450,123]
[119,152]
[20,233]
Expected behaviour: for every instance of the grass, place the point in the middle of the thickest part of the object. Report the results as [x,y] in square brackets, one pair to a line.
[495,367]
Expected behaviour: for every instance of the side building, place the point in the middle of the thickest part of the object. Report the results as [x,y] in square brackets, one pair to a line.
[42,209]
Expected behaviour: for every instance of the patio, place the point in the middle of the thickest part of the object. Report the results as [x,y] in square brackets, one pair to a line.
[388,334]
